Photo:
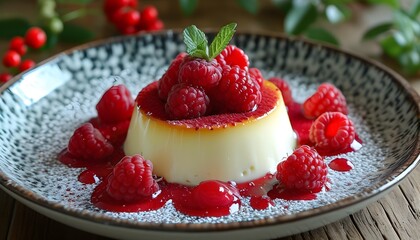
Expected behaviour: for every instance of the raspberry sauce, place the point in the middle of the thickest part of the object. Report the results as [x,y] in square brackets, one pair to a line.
[215,198]
[289,194]
[341,165]
[261,202]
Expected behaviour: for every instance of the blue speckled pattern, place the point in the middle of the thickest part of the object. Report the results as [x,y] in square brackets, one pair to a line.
[40,110]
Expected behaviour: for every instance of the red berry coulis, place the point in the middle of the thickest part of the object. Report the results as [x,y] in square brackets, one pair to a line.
[341,165]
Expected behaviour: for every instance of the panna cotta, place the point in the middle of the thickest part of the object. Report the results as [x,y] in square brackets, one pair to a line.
[237,147]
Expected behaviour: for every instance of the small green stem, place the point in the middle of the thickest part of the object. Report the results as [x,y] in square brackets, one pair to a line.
[79,13]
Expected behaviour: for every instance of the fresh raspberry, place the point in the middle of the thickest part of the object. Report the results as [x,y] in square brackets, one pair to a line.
[26,64]
[200,73]
[304,170]
[285,90]
[256,75]
[4,77]
[185,102]
[89,144]
[35,37]
[212,194]
[236,91]
[18,44]
[170,78]
[332,130]
[232,56]
[116,105]
[132,179]
[115,133]
[327,98]
[11,59]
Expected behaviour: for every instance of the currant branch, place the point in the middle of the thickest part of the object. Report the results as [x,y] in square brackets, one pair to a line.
[53,26]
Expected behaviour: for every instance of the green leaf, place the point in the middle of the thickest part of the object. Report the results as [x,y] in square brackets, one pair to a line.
[221,40]
[415,9]
[199,54]
[188,6]
[409,27]
[335,2]
[320,34]
[392,3]
[283,5]
[11,27]
[195,40]
[74,1]
[410,61]
[75,34]
[299,18]
[249,5]
[377,30]
[336,13]
[52,39]
[391,46]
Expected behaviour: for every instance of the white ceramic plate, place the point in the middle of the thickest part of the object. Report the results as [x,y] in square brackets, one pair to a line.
[40,108]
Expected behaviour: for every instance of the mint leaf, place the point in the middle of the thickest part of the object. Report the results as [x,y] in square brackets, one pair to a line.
[221,40]
[199,54]
[196,42]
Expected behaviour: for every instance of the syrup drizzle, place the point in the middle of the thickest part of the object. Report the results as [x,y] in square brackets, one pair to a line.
[261,191]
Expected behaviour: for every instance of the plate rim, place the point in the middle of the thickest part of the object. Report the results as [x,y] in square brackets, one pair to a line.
[393,179]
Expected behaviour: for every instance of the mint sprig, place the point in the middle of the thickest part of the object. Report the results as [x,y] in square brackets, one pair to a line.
[197,44]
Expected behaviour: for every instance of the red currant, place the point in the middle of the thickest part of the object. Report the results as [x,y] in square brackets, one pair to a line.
[26,64]
[4,77]
[149,13]
[130,18]
[111,6]
[128,30]
[18,44]
[35,37]
[152,26]
[117,15]
[11,59]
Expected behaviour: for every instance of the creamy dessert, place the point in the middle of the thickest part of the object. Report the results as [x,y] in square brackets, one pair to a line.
[226,147]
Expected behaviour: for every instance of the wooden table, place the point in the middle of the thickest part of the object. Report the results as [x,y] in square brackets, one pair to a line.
[396,216]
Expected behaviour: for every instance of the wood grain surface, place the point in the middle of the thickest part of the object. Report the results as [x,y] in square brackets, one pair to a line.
[395,216]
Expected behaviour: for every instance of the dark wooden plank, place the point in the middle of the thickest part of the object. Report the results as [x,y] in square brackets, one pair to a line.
[27,224]
[399,213]
[56,230]
[6,213]
[410,187]
[344,229]
[373,223]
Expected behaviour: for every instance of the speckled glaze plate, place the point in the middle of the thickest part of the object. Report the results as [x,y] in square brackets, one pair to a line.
[39,110]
